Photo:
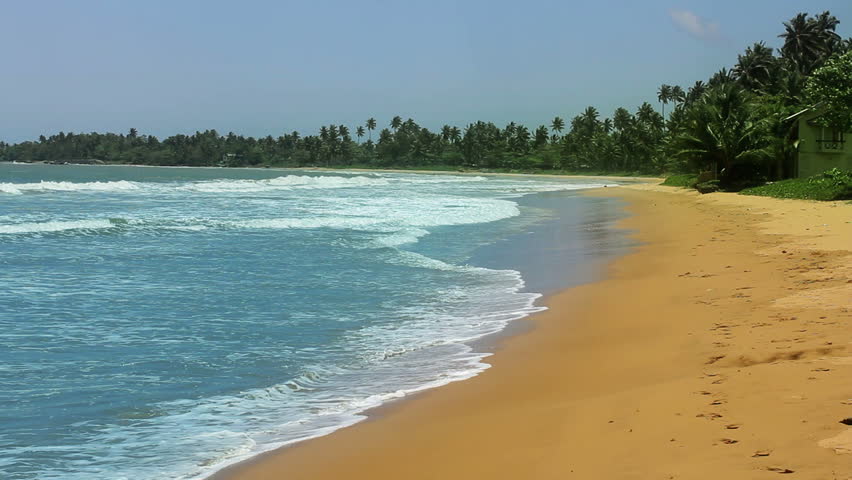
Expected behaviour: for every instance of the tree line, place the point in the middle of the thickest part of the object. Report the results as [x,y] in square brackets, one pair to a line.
[732,122]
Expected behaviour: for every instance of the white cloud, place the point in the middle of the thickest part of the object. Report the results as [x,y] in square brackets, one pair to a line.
[695,25]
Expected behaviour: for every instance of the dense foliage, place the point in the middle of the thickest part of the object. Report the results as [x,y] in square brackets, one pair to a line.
[732,124]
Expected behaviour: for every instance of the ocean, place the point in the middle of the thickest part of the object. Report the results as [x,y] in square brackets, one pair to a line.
[163,323]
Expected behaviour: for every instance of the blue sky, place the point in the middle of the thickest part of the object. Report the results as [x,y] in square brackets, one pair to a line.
[267,67]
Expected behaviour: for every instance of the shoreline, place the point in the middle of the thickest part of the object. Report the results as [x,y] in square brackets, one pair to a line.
[663,380]
[361,170]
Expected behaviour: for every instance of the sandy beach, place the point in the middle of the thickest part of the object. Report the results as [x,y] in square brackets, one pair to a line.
[721,348]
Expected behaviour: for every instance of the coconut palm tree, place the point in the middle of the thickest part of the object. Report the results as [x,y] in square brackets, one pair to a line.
[446,133]
[371,125]
[809,41]
[755,68]
[664,94]
[723,129]
[677,94]
[541,134]
[589,120]
[359,132]
[696,91]
[396,122]
[721,77]
[456,135]
[557,125]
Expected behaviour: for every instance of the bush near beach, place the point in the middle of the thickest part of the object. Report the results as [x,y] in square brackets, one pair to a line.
[831,185]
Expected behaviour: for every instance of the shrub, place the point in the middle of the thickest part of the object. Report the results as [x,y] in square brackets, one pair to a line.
[686,181]
[834,184]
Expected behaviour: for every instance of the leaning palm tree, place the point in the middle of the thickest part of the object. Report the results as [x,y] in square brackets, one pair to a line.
[371,125]
[664,94]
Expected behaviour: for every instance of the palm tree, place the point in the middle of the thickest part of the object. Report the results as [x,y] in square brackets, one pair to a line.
[677,94]
[557,125]
[723,129]
[756,67]
[396,122]
[359,132]
[664,94]
[456,135]
[696,91]
[541,134]
[344,130]
[446,133]
[371,125]
[721,77]
[810,41]
[324,133]
[589,119]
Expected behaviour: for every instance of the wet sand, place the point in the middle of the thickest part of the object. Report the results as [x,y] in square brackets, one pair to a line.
[721,348]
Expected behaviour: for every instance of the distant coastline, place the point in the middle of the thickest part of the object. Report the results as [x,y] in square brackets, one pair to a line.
[423,169]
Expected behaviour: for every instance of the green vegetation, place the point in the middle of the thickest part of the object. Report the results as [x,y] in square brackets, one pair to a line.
[681,180]
[831,185]
[732,126]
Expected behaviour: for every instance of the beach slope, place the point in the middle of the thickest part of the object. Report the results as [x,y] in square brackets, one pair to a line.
[721,348]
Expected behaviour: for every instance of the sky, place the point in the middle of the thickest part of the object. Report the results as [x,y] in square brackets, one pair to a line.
[269,67]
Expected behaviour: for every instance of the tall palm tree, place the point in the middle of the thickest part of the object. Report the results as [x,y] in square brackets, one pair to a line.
[557,125]
[664,94]
[803,41]
[371,125]
[677,94]
[359,132]
[396,122]
[344,130]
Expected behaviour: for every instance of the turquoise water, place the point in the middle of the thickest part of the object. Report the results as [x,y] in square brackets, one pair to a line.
[166,322]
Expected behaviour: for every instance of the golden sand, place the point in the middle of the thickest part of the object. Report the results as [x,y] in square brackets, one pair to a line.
[722,348]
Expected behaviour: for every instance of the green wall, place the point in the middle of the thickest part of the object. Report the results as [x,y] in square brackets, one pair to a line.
[813,158]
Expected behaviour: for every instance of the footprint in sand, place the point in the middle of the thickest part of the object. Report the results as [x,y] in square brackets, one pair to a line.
[780,470]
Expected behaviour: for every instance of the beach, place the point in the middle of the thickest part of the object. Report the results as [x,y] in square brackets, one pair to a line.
[719,348]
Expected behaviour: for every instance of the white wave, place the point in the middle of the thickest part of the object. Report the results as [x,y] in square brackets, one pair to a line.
[47,227]
[44,186]
[430,178]
[288,182]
